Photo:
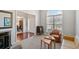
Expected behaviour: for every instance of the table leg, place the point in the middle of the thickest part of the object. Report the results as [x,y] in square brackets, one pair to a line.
[41,44]
[50,46]
[54,44]
[44,45]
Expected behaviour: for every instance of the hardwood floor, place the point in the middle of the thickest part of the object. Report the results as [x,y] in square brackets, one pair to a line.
[24,35]
[34,42]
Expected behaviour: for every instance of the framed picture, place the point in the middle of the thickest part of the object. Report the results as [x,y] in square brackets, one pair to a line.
[7,21]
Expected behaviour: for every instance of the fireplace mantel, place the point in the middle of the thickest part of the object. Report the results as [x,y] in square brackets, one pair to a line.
[5,30]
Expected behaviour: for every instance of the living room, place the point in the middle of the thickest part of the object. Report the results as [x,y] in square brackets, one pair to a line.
[32,18]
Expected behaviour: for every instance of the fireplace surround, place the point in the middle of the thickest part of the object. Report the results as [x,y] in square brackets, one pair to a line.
[5,40]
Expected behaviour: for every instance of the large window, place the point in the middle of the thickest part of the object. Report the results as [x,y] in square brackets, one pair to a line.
[54,20]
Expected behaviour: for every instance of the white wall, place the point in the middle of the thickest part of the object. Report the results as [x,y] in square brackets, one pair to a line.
[43,17]
[69,22]
[77,28]
[33,12]
[32,26]
[77,22]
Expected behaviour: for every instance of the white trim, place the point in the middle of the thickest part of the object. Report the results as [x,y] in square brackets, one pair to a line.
[77,40]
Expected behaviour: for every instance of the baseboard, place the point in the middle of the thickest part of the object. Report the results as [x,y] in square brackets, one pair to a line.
[77,41]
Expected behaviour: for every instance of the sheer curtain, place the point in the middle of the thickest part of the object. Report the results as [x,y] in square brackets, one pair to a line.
[54,20]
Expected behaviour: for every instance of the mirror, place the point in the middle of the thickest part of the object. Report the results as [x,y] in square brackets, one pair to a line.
[5,19]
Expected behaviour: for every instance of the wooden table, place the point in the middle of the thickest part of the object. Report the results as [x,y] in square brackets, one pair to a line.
[48,41]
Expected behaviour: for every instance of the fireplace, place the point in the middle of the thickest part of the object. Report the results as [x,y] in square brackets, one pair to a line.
[5,40]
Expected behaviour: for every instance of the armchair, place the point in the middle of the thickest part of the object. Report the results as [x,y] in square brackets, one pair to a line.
[57,35]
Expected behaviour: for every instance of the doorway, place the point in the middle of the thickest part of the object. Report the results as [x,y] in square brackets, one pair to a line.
[25,24]
[19,24]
